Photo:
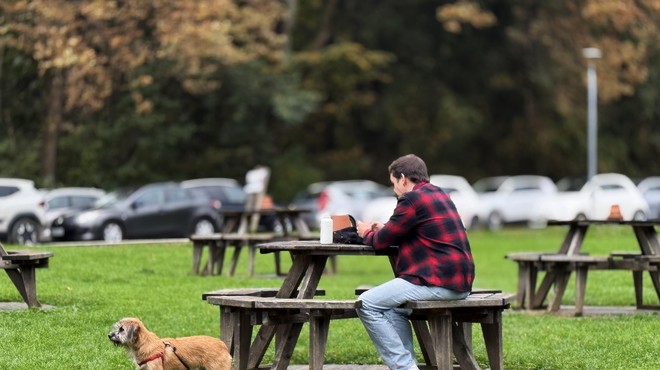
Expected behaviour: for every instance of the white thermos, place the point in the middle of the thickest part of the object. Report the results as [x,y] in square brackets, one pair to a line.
[326,230]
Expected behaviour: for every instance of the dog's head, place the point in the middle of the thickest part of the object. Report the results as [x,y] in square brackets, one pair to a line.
[125,331]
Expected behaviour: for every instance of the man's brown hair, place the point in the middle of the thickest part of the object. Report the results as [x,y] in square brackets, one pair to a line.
[411,166]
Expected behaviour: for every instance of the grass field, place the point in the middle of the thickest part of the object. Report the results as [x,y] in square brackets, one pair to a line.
[92,287]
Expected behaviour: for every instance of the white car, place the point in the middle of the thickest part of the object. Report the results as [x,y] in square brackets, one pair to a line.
[595,200]
[513,199]
[650,188]
[62,200]
[459,189]
[336,198]
[22,214]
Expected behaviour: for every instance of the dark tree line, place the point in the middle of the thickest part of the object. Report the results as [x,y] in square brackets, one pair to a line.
[103,94]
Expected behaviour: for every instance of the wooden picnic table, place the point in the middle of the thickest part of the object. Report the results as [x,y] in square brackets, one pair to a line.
[570,257]
[21,267]
[238,221]
[296,297]
[235,234]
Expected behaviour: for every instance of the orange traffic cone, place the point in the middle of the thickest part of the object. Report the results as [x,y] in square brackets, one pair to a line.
[615,213]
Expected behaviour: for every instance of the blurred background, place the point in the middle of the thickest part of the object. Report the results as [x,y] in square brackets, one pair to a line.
[111,93]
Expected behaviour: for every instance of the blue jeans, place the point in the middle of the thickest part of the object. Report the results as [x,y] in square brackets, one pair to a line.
[388,326]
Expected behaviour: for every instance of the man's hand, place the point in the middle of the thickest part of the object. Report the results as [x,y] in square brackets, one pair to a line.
[363,227]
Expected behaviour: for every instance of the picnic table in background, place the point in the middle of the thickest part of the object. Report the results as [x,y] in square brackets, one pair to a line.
[570,257]
[21,267]
[237,235]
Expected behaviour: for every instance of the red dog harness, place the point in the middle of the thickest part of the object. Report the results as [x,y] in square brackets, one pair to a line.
[154,357]
[162,356]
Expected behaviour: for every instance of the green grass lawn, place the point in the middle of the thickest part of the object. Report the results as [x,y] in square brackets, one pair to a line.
[92,287]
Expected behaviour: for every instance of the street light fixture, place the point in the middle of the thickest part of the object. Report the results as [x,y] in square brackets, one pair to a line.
[592,115]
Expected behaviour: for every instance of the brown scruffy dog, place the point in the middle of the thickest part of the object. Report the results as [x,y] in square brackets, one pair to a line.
[152,353]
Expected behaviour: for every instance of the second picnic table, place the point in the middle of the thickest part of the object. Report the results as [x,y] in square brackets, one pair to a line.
[236,233]
[559,266]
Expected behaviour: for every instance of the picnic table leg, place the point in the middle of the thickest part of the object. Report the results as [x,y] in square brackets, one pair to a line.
[639,288]
[198,249]
[26,283]
[441,329]
[425,341]
[278,264]
[580,288]
[333,264]
[560,287]
[242,335]
[318,338]
[234,259]
[655,278]
[542,293]
[260,345]
[291,283]
[494,344]
[219,256]
[463,350]
[227,319]
[252,251]
[527,275]
[522,285]
[288,335]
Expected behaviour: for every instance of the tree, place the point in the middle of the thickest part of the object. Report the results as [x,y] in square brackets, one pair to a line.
[89,50]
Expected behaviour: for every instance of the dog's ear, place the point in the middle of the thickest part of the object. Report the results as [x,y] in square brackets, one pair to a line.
[131,332]
[131,328]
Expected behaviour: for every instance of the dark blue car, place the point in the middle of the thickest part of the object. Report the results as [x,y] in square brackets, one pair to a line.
[160,210]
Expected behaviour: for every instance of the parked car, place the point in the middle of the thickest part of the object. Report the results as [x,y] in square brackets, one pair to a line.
[594,201]
[157,210]
[337,197]
[228,195]
[60,201]
[650,188]
[513,199]
[459,189]
[22,215]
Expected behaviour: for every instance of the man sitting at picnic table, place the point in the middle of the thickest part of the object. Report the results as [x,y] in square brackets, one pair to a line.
[434,261]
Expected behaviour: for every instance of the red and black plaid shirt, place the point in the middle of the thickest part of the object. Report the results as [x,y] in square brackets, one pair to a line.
[433,245]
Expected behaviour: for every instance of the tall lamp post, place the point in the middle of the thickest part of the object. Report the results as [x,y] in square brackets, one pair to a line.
[592,110]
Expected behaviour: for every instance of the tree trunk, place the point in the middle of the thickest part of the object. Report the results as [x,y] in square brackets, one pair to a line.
[327,28]
[53,124]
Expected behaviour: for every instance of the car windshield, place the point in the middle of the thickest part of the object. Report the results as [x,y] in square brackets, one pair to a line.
[489,184]
[112,198]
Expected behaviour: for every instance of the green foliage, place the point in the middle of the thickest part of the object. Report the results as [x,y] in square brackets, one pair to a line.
[155,92]
[92,287]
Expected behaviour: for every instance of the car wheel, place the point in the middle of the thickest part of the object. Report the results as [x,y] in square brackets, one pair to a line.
[474,223]
[495,221]
[277,227]
[639,216]
[581,217]
[25,231]
[203,227]
[112,232]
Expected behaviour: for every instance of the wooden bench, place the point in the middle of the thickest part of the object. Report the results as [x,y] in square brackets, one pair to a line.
[445,334]
[21,267]
[253,292]
[558,268]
